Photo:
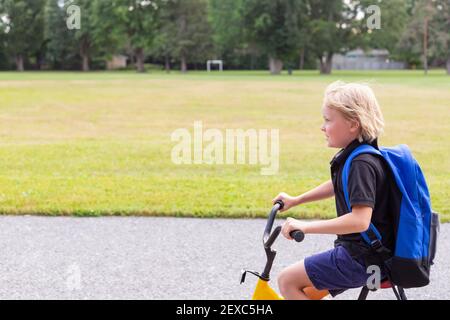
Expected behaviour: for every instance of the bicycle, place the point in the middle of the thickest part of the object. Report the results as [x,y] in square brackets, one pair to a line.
[263,290]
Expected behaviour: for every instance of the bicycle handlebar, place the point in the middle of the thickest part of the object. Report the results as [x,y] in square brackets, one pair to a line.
[298,235]
[268,238]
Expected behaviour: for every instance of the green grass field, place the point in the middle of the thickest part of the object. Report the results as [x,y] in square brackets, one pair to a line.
[99,143]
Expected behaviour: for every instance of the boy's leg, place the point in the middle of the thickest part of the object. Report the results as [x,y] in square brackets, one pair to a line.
[292,281]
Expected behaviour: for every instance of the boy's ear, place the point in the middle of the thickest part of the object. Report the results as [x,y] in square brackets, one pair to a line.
[354,125]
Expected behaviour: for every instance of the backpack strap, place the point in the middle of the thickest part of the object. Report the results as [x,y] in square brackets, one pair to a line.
[371,236]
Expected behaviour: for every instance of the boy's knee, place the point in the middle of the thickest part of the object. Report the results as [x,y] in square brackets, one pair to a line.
[290,278]
[284,280]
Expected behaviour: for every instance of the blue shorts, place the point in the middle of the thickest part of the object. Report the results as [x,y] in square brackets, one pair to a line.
[336,271]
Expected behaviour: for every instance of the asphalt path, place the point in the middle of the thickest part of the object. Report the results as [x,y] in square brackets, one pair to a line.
[158,258]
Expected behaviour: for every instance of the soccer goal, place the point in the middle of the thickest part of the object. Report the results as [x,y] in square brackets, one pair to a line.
[210,62]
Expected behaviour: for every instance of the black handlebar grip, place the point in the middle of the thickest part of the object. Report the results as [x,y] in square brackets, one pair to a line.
[281,203]
[298,235]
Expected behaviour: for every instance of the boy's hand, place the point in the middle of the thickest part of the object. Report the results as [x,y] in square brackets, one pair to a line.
[292,224]
[288,200]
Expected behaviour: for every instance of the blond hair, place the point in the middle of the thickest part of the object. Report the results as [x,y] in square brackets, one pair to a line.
[357,102]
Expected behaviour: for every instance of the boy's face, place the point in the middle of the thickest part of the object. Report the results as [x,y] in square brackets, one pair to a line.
[339,131]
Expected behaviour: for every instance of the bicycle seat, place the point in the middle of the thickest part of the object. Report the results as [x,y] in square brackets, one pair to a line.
[385,284]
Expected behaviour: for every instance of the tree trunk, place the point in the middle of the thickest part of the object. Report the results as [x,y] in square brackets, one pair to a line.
[19,62]
[140,57]
[448,66]
[130,52]
[252,62]
[326,63]
[275,65]
[302,59]
[84,52]
[329,64]
[85,62]
[39,61]
[167,64]
[183,63]
[425,46]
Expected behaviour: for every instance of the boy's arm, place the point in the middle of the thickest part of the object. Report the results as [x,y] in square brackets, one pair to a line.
[323,191]
[354,222]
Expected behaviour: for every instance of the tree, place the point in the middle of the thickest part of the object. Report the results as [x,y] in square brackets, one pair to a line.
[165,40]
[70,32]
[139,21]
[440,30]
[227,24]
[22,25]
[85,35]
[70,45]
[427,34]
[108,39]
[393,19]
[59,40]
[4,64]
[193,35]
[186,31]
[333,27]
[275,27]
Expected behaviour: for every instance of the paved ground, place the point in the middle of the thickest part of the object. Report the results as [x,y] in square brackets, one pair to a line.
[157,258]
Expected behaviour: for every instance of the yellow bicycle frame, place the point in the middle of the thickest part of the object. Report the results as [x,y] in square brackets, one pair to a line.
[264,292]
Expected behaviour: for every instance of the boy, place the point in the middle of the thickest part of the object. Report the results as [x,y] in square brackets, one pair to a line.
[352,116]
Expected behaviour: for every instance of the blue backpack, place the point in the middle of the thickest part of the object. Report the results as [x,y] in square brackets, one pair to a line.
[417,225]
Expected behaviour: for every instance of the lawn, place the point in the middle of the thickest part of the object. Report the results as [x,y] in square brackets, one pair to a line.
[99,143]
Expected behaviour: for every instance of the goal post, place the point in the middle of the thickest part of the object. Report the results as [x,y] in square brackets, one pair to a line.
[210,62]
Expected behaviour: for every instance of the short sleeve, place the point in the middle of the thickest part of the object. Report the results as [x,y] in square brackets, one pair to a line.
[362,184]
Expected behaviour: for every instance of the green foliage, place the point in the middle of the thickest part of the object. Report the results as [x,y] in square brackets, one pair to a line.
[60,41]
[185,33]
[394,17]
[437,14]
[227,24]
[22,26]
[244,33]
[275,26]
[138,21]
